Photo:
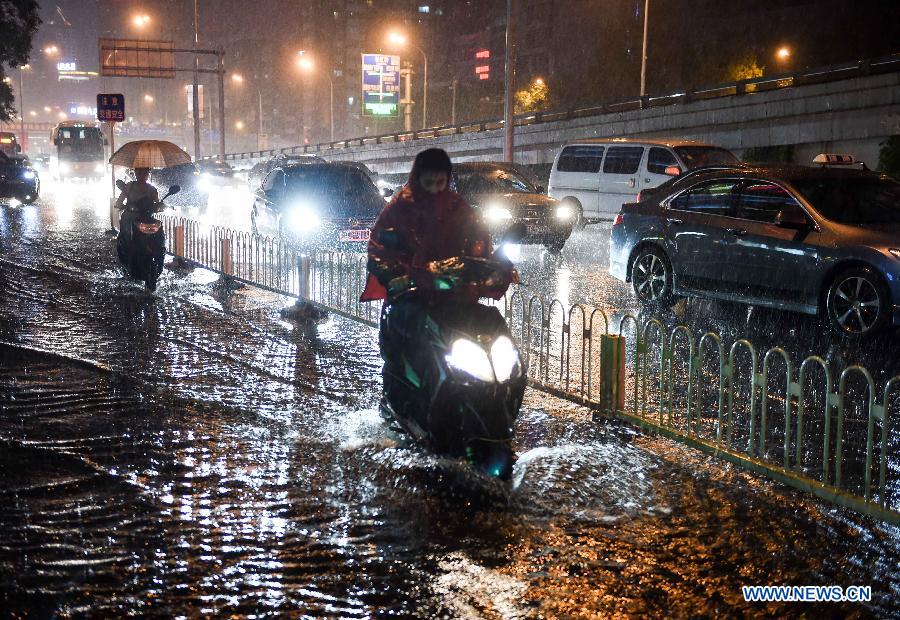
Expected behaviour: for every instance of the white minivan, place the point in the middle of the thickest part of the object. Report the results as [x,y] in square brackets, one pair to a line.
[596,176]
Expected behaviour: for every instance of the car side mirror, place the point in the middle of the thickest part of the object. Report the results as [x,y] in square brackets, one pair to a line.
[541,189]
[672,171]
[121,184]
[792,219]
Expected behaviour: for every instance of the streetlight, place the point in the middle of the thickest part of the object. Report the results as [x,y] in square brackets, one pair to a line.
[148,98]
[783,53]
[237,78]
[306,64]
[239,125]
[400,40]
[51,50]
[141,20]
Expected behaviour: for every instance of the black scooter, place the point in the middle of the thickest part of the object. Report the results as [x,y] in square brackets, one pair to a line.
[453,377]
[141,244]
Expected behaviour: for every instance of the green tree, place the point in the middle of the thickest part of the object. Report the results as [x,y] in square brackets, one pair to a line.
[744,69]
[19,21]
[535,98]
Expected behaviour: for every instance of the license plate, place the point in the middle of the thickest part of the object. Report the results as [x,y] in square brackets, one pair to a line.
[537,229]
[356,235]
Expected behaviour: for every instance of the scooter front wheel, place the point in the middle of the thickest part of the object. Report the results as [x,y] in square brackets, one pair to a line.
[491,457]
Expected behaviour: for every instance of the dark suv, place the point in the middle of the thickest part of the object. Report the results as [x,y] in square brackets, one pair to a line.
[822,241]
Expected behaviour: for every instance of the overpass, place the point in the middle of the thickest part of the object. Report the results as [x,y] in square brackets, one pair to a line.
[841,108]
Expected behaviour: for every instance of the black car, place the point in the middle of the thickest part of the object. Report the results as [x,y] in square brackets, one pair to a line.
[18,179]
[214,173]
[505,195]
[822,241]
[188,177]
[258,172]
[323,206]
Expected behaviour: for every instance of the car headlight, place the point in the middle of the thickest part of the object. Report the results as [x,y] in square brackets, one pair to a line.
[302,217]
[99,168]
[471,359]
[504,357]
[64,168]
[895,252]
[28,174]
[564,212]
[204,184]
[496,213]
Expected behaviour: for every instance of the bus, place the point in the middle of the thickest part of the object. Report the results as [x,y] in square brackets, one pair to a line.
[78,151]
[9,146]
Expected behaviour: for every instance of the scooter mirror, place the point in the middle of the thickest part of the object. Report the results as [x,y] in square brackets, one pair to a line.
[514,234]
[121,184]
[174,189]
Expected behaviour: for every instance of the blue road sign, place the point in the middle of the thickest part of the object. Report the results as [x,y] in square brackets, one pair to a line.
[111,108]
[381,85]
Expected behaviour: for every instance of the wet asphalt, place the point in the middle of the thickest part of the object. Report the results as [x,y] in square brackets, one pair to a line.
[190,453]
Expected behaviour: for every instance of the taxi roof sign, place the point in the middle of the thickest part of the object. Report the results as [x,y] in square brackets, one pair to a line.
[834,159]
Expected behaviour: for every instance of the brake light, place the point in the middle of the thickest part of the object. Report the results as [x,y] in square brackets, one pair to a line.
[620,219]
[148,229]
[638,199]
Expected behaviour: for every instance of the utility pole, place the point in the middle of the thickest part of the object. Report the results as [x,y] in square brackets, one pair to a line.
[406,72]
[196,90]
[644,50]
[220,57]
[21,111]
[453,103]
[509,82]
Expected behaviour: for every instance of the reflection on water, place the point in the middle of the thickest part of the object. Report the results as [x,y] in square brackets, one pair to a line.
[190,453]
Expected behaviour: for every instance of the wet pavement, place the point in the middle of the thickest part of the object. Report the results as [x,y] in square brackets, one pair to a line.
[190,453]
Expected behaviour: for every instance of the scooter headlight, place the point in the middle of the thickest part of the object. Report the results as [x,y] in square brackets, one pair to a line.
[471,359]
[505,358]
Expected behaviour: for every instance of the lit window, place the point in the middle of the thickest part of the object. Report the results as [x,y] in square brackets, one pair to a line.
[424,9]
[483,54]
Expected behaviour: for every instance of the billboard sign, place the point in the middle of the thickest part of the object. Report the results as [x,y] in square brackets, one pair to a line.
[110,108]
[381,85]
[137,58]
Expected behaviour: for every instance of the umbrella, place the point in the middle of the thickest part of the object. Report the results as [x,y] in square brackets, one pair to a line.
[149,154]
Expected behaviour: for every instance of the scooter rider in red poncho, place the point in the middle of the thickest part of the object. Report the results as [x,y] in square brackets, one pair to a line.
[423,223]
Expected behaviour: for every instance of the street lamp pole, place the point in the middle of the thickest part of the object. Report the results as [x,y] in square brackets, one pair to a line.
[644,49]
[196,85]
[331,105]
[21,106]
[509,82]
[424,88]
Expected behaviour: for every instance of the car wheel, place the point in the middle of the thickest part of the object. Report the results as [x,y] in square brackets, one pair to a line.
[651,277]
[579,223]
[857,303]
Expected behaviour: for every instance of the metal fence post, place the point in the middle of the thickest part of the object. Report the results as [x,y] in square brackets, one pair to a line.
[303,274]
[612,372]
[227,260]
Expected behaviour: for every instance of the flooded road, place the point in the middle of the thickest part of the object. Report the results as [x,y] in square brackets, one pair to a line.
[190,453]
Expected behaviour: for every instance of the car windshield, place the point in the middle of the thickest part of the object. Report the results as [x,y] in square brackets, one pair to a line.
[345,184]
[499,180]
[854,201]
[698,156]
